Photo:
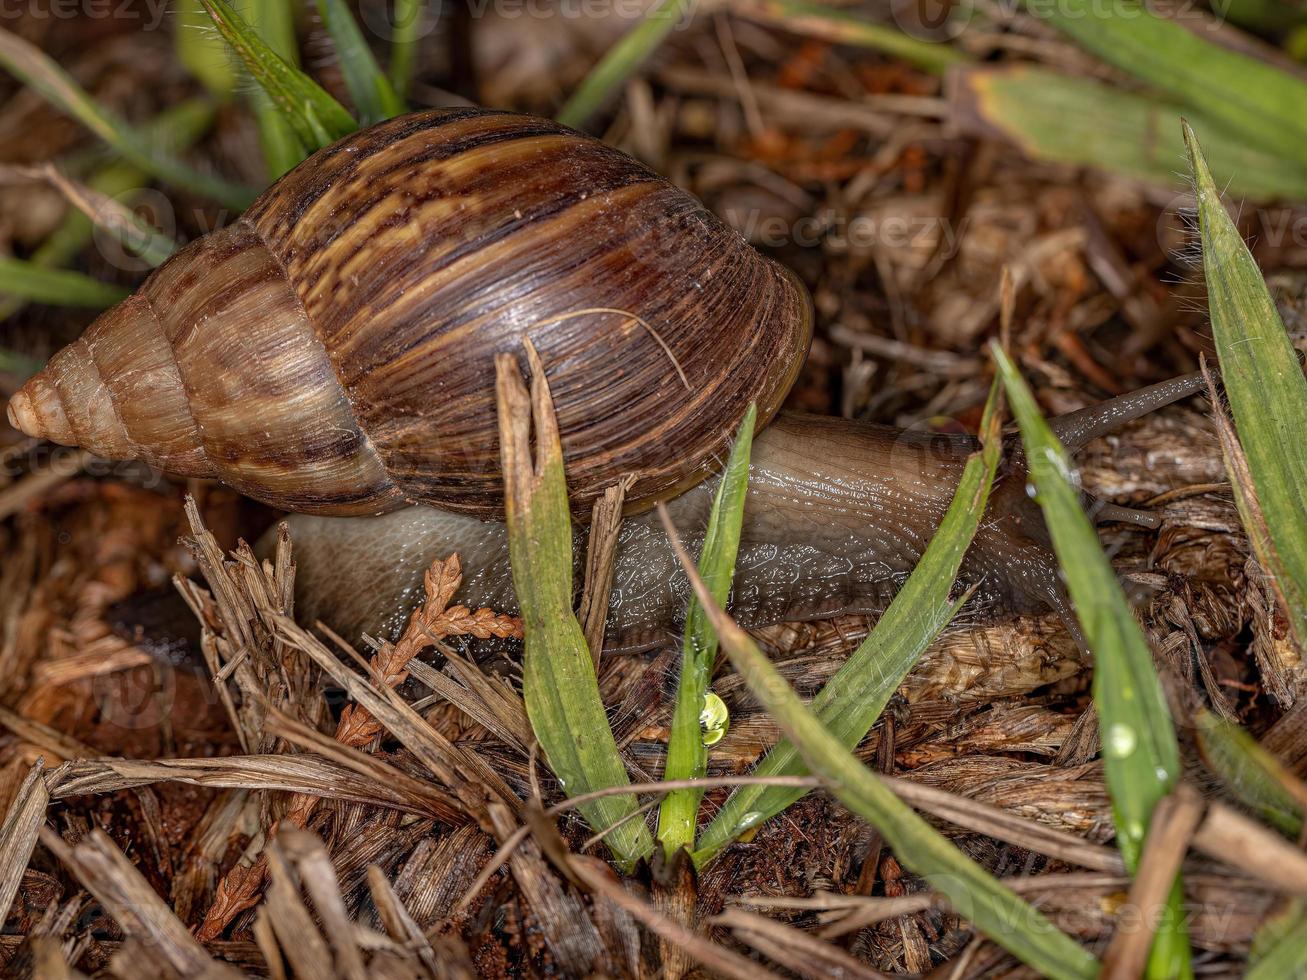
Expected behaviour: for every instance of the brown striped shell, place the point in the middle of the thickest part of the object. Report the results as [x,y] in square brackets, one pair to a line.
[333,350]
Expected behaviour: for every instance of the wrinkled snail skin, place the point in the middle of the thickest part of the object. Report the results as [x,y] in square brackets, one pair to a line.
[333,350]
[838,514]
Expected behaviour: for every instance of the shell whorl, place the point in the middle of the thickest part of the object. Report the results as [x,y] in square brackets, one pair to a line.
[333,351]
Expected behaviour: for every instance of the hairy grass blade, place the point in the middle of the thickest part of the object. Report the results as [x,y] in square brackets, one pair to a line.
[558,677]
[201,51]
[373,95]
[972,892]
[59,287]
[204,52]
[274,21]
[1268,398]
[1141,757]
[315,116]
[33,67]
[687,754]
[1083,122]
[1183,58]
[853,699]
[623,59]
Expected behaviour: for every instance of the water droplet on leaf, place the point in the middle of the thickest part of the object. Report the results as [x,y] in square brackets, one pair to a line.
[714,719]
[1120,741]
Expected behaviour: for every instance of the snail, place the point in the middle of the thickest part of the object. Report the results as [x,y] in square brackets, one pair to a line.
[838,513]
[332,353]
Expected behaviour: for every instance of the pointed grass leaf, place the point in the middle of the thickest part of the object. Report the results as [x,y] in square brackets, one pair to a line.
[1078,121]
[374,97]
[407,31]
[855,696]
[1267,394]
[58,287]
[274,21]
[687,753]
[1141,756]
[558,676]
[1280,948]
[623,60]
[1197,61]
[1257,778]
[312,113]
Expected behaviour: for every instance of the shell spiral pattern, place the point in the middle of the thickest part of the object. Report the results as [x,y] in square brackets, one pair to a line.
[333,350]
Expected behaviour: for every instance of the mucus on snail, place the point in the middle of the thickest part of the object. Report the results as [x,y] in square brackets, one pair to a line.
[332,353]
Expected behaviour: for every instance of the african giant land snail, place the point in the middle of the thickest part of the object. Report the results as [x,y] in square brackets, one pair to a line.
[332,353]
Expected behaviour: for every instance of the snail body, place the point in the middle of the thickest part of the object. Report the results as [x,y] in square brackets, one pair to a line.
[332,351]
[838,514]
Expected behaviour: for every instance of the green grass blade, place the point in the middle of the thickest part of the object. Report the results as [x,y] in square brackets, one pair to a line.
[1266,16]
[1252,774]
[558,676]
[1248,94]
[1082,122]
[58,287]
[19,364]
[314,115]
[972,892]
[1286,956]
[204,52]
[34,68]
[137,237]
[1141,756]
[853,699]
[404,44]
[373,95]
[1267,394]
[841,27]
[201,51]
[622,60]
[687,755]
[274,21]
[176,128]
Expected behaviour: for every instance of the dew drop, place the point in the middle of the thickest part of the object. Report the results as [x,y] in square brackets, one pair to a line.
[714,719]
[1120,741]
[748,821]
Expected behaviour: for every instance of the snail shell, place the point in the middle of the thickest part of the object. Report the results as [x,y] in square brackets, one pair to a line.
[333,350]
